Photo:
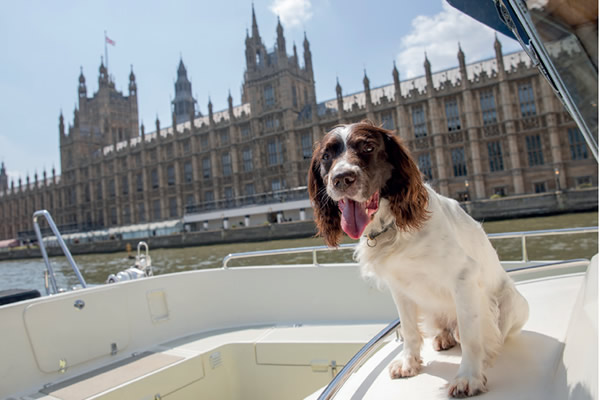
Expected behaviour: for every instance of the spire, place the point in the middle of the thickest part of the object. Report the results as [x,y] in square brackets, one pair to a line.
[255,34]
[157,126]
[462,65]
[82,87]
[499,57]
[396,76]
[338,88]
[103,73]
[132,84]
[142,131]
[181,71]
[210,109]
[366,82]
[61,124]
[184,102]
[367,87]
[307,56]
[295,55]
[461,56]
[280,38]
[428,76]
[230,105]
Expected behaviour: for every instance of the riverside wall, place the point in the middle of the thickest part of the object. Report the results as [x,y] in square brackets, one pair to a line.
[488,210]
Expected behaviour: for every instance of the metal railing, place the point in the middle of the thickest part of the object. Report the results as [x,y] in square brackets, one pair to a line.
[523,235]
[61,242]
[274,252]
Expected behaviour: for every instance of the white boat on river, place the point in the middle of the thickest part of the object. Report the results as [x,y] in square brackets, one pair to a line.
[280,332]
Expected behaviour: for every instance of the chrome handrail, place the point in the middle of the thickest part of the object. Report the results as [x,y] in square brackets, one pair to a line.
[356,362]
[523,235]
[275,252]
[61,242]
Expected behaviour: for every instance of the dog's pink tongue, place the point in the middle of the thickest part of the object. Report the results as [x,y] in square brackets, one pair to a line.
[354,218]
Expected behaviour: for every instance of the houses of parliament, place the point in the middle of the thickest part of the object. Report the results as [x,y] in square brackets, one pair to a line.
[488,128]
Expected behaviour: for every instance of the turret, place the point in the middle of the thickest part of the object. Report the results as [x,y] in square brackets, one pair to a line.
[132,84]
[210,108]
[157,126]
[82,89]
[184,103]
[396,75]
[102,74]
[499,57]
[462,65]
[61,125]
[230,106]
[367,87]
[340,99]
[280,41]
[428,76]
[308,57]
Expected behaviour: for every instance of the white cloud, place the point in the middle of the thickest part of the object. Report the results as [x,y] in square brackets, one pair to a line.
[439,35]
[293,13]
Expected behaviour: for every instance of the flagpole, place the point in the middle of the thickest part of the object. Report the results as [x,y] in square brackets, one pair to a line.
[105,50]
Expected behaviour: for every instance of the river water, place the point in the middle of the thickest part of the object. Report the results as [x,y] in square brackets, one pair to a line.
[95,268]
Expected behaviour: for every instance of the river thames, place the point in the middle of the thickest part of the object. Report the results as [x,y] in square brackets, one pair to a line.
[95,268]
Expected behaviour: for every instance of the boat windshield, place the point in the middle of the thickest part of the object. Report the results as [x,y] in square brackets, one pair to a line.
[561,38]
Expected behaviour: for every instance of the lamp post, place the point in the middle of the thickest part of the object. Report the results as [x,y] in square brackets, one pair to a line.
[467,197]
[557,177]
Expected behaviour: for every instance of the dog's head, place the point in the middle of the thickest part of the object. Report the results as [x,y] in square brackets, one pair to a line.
[353,167]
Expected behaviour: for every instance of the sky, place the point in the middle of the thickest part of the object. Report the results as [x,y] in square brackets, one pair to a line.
[46,44]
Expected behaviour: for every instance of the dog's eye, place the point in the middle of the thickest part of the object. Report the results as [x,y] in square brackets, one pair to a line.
[367,148]
[325,156]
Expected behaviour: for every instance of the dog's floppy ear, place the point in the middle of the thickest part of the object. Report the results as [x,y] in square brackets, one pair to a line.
[405,190]
[326,212]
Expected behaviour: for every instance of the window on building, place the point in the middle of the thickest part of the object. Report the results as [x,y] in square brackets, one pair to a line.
[111,188]
[188,172]
[190,202]
[99,190]
[500,191]
[539,187]
[172,207]
[419,123]
[139,182]
[153,156]
[245,131]
[169,151]
[247,159]
[274,152]
[138,159]
[488,107]
[526,100]
[170,175]
[387,121]
[224,137]
[187,147]
[495,156]
[87,193]
[424,161]
[156,209]
[459,163]
[141,212]
[206,170]
[100,218]
[113,215]
[535,155]
[228,192]
[452,115]
[204,141]
[294,96]
[269,95]
[124,185]
[209,199]
[577,145]
[249,192]
[583,181]
[276,185]
[126,214]
[271,122]
[154,178]
[226,163]
[306,142]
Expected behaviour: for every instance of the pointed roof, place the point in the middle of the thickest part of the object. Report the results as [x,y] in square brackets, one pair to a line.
[255,33]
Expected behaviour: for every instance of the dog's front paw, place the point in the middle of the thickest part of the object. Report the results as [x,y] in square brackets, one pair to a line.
[444,341]
[404,367]
[467,386]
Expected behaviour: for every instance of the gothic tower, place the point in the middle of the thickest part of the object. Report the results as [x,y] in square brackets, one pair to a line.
[275,85]
[106,118]
[3,178]
[184,103]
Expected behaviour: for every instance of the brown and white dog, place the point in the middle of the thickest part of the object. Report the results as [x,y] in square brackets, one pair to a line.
[442,271]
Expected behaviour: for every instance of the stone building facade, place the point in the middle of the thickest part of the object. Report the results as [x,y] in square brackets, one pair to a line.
[488,128]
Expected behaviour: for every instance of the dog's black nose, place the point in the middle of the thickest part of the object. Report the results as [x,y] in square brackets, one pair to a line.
[344,180]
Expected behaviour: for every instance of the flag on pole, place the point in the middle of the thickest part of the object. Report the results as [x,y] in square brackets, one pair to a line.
[110,41]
